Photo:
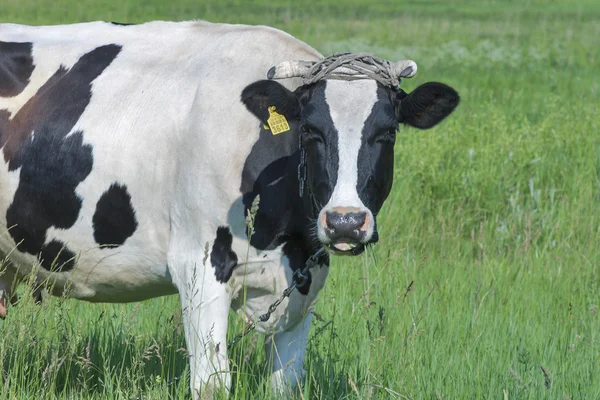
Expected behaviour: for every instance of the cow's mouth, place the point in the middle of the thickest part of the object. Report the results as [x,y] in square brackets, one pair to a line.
[346,248]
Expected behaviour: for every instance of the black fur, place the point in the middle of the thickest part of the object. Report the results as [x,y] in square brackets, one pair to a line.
[259,96]
[114,220]
[280,207]
[427,105]
[55,256]
[270,170]
[51,164]
[297,251]
[376,154]
[320,140]
[222,257]
[16,67]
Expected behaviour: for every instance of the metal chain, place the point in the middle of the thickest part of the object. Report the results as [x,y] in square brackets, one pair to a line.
[299,279]
[301,167]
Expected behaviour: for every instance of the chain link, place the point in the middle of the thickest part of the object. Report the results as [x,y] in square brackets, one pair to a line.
[301,166]
[299,279]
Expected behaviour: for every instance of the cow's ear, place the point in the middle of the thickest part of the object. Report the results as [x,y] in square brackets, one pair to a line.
[427,105]
[261,95]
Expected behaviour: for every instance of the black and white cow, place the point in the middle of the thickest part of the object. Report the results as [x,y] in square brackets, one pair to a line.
[130,165]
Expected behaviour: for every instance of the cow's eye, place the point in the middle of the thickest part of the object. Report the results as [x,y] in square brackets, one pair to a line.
[311,134]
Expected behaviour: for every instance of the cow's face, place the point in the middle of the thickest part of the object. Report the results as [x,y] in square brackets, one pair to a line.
[347,130]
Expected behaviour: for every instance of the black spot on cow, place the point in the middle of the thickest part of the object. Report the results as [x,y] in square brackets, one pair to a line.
[114,219]
[320,141]
[120,23]
[55,256]
[51,163]
[376,155]
[222,258]
[16,67]
[270,171]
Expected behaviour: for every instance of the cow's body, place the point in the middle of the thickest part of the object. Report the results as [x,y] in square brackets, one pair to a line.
[164,122]
[130,164]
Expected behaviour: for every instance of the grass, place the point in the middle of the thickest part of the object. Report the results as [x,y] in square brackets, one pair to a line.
[485,283]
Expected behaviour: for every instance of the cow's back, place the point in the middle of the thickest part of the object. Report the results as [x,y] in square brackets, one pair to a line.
[115,137]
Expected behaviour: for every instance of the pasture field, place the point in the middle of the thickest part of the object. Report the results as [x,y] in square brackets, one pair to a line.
[485,283]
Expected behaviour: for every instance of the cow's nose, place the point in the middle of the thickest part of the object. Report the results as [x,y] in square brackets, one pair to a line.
[349,226]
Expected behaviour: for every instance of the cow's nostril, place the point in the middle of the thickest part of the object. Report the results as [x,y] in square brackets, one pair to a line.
[346,225]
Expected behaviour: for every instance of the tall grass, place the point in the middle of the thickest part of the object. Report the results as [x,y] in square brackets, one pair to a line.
[485,280]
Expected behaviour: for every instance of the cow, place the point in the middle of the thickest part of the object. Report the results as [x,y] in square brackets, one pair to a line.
[155,159]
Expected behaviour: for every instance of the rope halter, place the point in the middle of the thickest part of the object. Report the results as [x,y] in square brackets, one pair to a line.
[346,66]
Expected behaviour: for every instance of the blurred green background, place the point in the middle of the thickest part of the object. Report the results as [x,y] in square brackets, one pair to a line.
[485,282]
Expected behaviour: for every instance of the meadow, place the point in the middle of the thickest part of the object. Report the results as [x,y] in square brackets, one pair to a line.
[485,283]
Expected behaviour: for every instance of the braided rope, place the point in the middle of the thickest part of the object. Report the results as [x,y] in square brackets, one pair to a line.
[353,66]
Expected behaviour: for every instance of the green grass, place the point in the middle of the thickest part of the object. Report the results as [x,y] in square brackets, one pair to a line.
[487,268]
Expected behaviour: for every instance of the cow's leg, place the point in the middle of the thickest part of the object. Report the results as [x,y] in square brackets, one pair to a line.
[287,350]
[205,303]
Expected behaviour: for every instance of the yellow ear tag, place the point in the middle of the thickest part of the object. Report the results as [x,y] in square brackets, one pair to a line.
[277,122]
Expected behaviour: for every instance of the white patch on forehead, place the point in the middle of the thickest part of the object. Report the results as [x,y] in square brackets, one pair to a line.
[350,104]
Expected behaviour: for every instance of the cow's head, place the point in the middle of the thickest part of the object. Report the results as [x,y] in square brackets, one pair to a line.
[347,130]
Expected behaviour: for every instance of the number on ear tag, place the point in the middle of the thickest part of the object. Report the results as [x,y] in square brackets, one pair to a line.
[277,122]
